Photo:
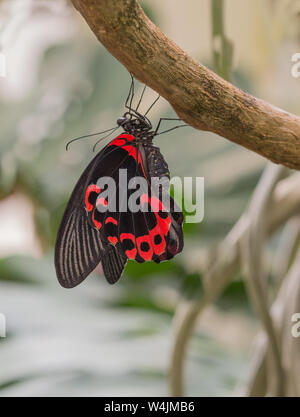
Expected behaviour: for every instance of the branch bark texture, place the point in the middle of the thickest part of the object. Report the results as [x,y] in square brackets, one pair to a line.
[199,96]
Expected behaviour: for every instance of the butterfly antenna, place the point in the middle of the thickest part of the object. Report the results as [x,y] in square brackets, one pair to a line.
[141,98]
[155,101]
[88,136]
[99,140]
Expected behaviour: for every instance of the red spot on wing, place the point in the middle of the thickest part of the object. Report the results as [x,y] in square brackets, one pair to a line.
[164,224]
[121,140]
[91,188]
[118,142]
[101,201]
[145,253]
[111,220]
[156,204]
[145,199]
[131,254]
[131,151]
[156,237]
[96,223]
[112,239]
[158,248]
[159,209]
[140,162]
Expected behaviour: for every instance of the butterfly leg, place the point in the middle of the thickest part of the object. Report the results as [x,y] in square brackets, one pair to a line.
[130,97]
[130,93]
[157,98]
[129,100]
[141,98]
[168,130]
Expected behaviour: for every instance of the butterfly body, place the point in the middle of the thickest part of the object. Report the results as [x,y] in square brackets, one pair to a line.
[103,228]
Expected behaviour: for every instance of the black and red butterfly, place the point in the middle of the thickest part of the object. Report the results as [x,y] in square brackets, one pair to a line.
[88,235]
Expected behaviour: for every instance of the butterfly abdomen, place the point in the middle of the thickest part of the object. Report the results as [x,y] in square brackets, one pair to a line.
[157,166]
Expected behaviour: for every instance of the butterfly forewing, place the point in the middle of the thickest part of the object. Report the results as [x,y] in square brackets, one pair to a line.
[79,247]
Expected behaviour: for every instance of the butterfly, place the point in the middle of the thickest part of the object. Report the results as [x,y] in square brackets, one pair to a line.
[96,229]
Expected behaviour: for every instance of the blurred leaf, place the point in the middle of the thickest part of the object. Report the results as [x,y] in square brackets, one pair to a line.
[192,286]
[142,300]
[25,269]
[149,269]
[234,296]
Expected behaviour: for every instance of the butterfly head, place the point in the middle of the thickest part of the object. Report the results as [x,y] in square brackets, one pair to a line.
[134,123]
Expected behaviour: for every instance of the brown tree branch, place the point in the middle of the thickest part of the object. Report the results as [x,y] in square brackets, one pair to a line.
[199,96]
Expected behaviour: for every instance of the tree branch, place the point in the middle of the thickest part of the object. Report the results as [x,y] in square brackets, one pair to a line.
[199,96]
[285,204]
[255,275]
